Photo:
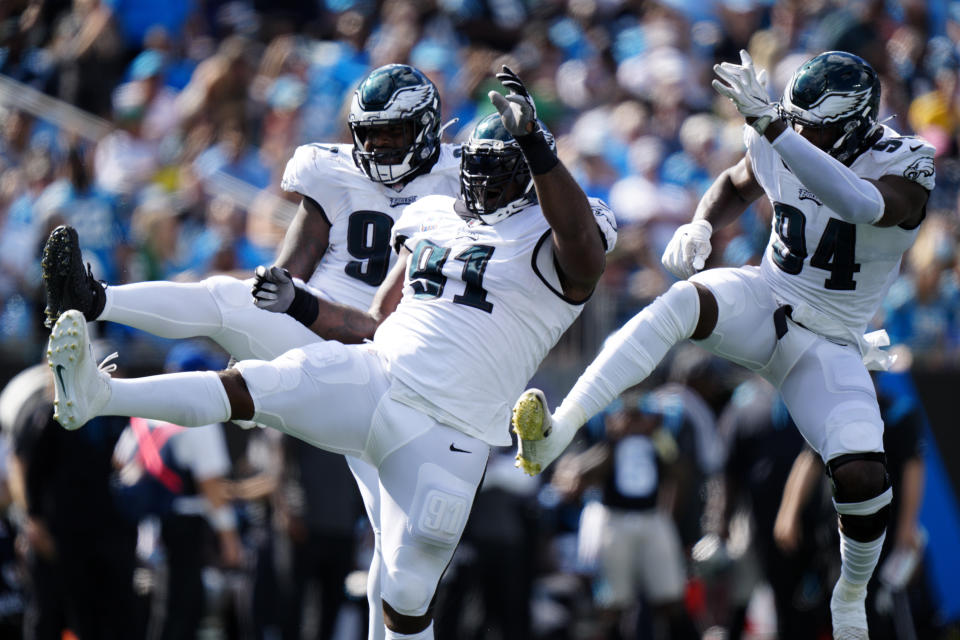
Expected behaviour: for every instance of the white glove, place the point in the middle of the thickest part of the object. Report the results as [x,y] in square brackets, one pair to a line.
[688,249]
[517,110]
[747,89]
[273,289]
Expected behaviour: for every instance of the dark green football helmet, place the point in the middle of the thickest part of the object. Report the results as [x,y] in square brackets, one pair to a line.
[839,89]
[495,181]
[396,94]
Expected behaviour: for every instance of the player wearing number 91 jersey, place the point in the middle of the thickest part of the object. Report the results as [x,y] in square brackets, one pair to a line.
[482,306]
[483,287]
[339,240]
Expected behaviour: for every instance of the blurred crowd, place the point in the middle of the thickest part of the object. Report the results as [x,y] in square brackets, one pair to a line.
[160,130]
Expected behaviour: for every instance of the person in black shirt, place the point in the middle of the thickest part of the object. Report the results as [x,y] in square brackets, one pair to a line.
[81,551]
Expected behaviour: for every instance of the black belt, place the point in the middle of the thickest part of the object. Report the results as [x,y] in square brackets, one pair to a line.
[780,319]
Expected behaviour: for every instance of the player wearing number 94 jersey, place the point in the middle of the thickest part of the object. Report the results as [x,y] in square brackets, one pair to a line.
[848,195]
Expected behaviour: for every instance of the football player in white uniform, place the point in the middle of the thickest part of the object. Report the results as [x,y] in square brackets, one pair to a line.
[339,241]
[848,194]
[484,287]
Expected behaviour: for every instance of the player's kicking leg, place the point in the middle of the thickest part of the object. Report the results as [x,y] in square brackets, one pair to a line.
[220,307]
[627,358]
[83,390]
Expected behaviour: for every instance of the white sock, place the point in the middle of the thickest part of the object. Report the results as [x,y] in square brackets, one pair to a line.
[165,309]
[630,355]
[426,634]
[190,399]
[857,562]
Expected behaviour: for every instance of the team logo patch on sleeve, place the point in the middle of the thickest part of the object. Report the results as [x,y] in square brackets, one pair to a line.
[919,168]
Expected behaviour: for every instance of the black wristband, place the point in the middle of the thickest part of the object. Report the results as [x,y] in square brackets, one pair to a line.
[304,308]
[538,154]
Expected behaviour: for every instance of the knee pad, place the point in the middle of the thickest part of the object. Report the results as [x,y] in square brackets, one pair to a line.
[405,595]
[863,517]
[679,308]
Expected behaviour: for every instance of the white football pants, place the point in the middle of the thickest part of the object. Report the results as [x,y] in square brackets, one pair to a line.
[221,308]
[824,385]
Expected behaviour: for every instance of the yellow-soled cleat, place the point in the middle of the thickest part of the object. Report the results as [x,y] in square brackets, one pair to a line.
[531,422]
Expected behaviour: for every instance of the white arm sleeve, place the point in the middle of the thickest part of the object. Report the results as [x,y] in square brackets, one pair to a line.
[847,194]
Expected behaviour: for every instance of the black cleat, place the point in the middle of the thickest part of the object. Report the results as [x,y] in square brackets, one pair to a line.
[68,284]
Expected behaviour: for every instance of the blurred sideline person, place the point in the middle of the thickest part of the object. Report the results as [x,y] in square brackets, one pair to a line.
[483,288]
[899,575]
[338,243]
[639,549]
[80,548]
[762,443]
[848,195]
[193,466]
[319,512]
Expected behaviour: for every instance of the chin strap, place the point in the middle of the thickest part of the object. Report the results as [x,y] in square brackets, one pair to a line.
[449,124]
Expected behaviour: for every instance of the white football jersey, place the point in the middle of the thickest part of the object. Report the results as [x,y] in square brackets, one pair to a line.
[482,305]
[361,214]
[838,269]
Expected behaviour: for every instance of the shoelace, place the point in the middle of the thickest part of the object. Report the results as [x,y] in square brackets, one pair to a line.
[106,365]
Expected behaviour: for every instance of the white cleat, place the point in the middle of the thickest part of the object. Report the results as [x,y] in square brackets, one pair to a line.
[533,424]
[848,613]
[81,387]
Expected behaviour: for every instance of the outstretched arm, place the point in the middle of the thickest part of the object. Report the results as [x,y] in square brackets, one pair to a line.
[886,202]
[577,239]
[274,290]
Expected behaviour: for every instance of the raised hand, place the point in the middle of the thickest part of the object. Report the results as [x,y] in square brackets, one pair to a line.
[517,109]
[746,88]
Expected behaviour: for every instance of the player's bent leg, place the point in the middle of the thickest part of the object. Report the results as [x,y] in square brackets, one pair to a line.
[219,307]
[862,496]
[744,308]
[627,358]
[428,485]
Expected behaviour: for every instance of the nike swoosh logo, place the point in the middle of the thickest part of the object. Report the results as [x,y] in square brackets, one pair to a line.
[916,147]
[59,370]
[454,448]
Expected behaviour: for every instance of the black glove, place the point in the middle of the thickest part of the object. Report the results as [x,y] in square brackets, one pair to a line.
[517,110]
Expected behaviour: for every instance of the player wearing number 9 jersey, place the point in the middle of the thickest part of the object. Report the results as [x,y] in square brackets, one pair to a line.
[360,214]
[848,195]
